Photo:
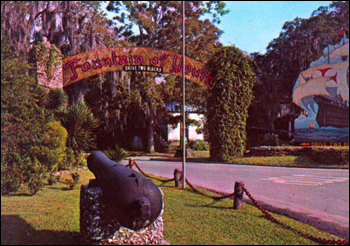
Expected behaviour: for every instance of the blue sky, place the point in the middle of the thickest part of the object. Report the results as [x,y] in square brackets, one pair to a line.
[251,25]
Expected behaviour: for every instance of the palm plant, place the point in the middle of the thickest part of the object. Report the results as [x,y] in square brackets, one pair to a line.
[80,124]
[117,153]
[52,98]
[57,99]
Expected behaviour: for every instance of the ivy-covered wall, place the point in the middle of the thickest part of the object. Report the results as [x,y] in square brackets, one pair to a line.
[49,65]
[228,101]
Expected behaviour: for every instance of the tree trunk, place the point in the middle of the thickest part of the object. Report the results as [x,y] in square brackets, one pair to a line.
[150,133]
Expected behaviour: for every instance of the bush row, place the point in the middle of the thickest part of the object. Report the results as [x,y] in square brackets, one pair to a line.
[330,156]
[322,155]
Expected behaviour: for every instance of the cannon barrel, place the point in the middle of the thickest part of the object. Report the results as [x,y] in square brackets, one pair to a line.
[130,198]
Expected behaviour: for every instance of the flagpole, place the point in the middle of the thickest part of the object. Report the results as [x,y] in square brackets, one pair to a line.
[183,100]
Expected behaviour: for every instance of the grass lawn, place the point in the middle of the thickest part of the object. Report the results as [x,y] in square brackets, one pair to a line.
[52,217]
[283,161]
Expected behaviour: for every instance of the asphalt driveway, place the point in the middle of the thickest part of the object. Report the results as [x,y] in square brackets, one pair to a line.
[319,197]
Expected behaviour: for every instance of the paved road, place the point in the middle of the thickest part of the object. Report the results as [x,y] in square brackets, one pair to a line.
[316,196]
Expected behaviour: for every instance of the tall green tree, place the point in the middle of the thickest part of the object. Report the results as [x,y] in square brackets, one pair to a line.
[300,42]
[73,26]
[158,25]
[228,103]
[125,112]
[24,125]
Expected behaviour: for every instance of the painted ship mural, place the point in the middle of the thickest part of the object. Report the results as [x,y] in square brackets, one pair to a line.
[322,91]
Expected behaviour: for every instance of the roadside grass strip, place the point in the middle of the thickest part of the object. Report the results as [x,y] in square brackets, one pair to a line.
[51,217]
[278,161]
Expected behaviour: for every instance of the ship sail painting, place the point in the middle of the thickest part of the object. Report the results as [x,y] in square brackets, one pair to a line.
[322,91]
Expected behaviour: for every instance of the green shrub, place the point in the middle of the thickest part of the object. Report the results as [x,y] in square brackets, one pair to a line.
[35,184]
[10,171]
[117,154]
[73,159]
[74,181]
[52,151]
[198,145]
[52,179]
[80,160]
[69,161]
[330,156]
[35,174]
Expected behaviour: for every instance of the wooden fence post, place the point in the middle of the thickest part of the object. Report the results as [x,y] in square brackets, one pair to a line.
[176,177]
[238,197]
[131,164]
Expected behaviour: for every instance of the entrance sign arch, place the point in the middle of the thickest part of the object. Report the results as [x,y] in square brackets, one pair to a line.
[132,59]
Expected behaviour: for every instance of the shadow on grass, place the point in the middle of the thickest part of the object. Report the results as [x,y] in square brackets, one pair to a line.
[17,231]
[211,206]
[61,188]
[18,194]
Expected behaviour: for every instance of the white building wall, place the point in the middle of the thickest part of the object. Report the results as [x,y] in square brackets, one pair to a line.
[174,134]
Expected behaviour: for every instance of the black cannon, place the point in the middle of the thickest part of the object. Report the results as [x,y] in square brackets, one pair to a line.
[130,198]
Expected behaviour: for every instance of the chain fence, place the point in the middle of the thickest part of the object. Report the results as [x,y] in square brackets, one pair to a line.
[270,217]
[216,198]
[267,214]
